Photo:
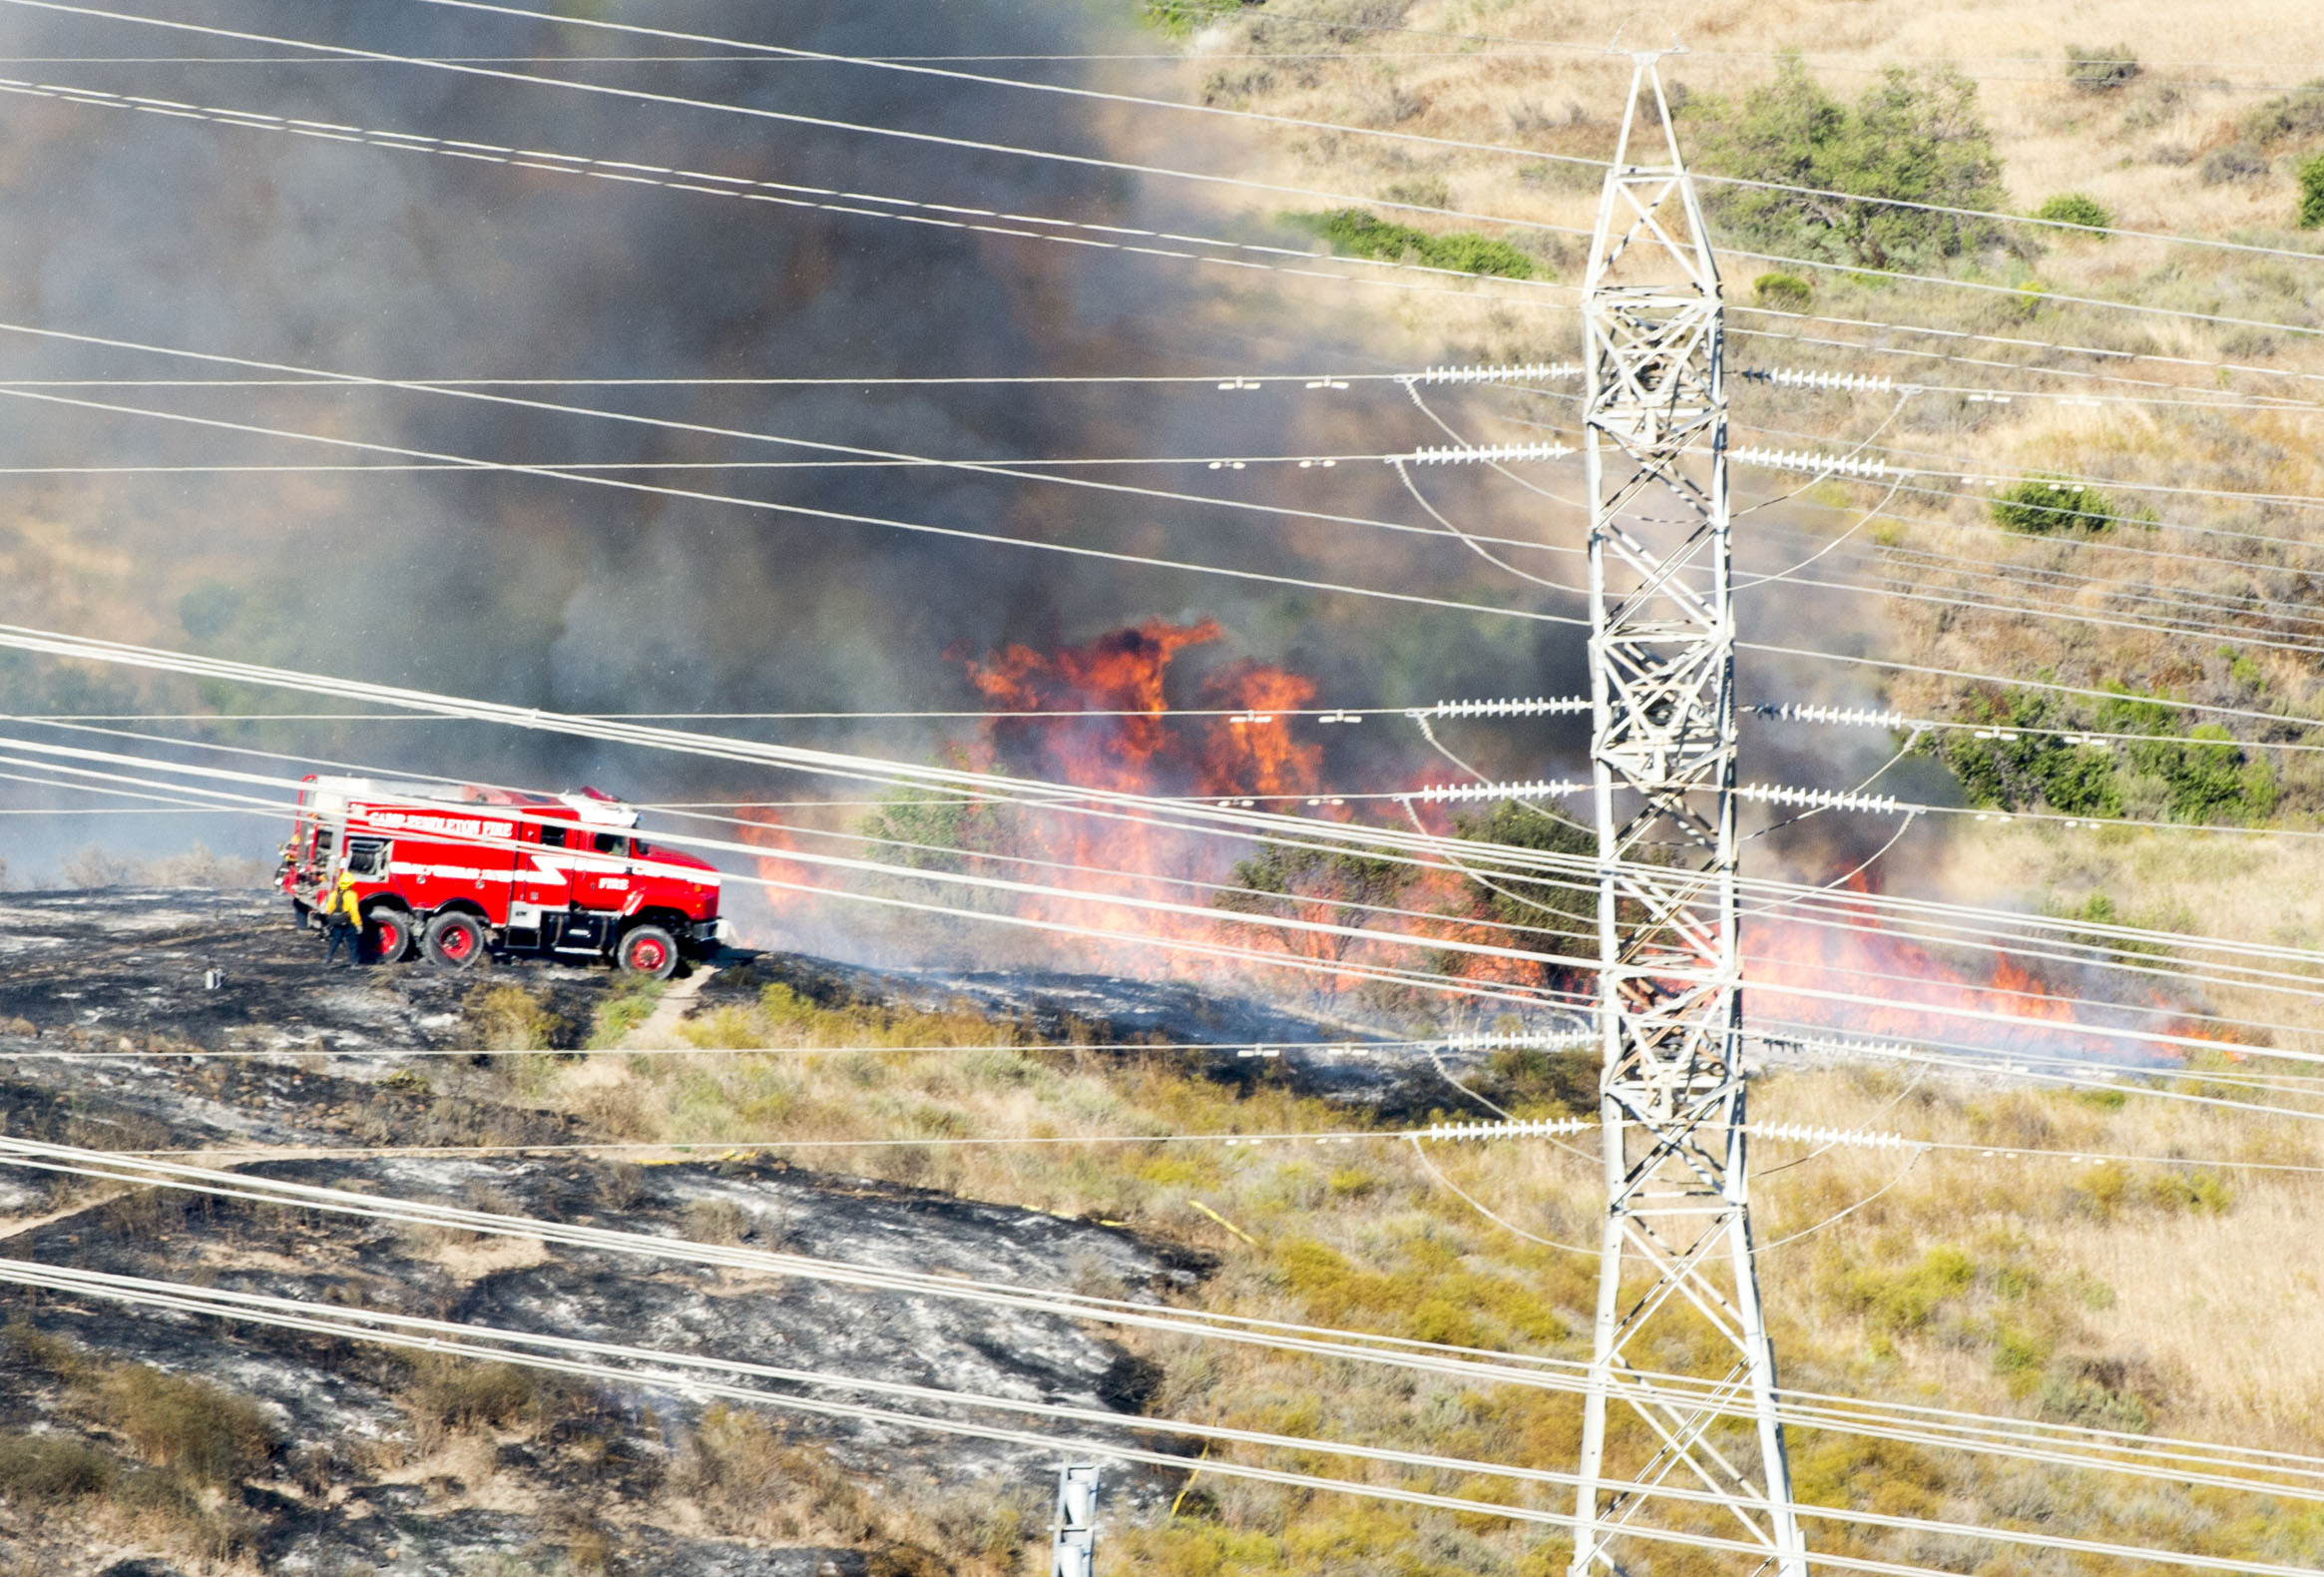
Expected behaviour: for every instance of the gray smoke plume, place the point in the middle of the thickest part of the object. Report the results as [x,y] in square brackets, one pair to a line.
[342,255]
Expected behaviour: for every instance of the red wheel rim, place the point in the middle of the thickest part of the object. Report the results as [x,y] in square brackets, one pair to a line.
[390,937]
[458,942]
[645,954]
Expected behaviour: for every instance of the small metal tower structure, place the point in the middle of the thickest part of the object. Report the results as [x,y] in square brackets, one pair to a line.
[1073,1540]
[1677,1235]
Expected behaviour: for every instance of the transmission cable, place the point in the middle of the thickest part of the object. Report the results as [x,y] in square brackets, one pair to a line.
[1339,129]
[979,146]
[1439,944]
[1314,833]
[1317,834]
[1291,1338]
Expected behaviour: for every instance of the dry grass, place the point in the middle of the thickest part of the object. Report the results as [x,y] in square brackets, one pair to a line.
[2046,131]
[2200,1278]
[2138,1297]
[2233,889]
[2141,151]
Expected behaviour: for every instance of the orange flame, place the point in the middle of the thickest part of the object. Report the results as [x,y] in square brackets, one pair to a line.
[1099,715]
[1922,995]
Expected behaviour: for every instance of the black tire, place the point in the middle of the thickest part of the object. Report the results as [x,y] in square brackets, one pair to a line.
[646,950]
[455,940]
[388,933]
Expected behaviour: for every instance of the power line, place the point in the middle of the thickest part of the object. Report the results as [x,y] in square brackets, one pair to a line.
[1338,128]
[975,145]
[942,216]
[2081,957]
[1601,53]
[654,421]
[1315,833]
[275,122]
[1335,380]
[2019,341]
[989,538]
[685,1374]
[2005,1436]
[1353,906]
[1972,476]
[48,4]
[757,111]
[2036,609]
[1361,1346]
[1434,980]
[1027,791]
[1388,910]
[993,538]
[1344,968]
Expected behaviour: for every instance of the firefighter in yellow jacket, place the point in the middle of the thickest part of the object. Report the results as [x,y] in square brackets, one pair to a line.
[343,922]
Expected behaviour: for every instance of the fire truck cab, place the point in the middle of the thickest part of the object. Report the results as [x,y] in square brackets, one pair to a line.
[459,871]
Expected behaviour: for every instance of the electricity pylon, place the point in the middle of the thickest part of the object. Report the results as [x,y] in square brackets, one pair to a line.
[1678,1237]
[1073,1533]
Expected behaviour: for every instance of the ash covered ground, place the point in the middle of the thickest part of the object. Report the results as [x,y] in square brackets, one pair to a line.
[113,1040]
[126,970]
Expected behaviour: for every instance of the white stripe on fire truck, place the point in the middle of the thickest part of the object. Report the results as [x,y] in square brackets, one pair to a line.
[545,871]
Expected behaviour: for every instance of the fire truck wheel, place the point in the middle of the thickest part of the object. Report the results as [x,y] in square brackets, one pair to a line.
[455,940]
[387,935]
[648,950]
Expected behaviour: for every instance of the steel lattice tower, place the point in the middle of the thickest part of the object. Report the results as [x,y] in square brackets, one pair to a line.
[1677,1239]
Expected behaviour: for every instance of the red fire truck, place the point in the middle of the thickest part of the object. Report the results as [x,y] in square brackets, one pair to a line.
[462,871]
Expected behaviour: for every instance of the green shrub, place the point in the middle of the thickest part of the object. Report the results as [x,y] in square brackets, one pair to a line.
[38,1469]
[2193,1190]
[1177,18]
[2101,70]
[2208,776]
[1784,291]
[932,824]
[2296,117]
[2028,758]
[2087,1398]
[510,1018]
[623,1009]
[1901,1301]
[2073,207]
[1470,253]
[1568,916]
[2047,502]
[1279,883]
[2205,776]
[188,1425]
[1914,136]
[2312,193]
[1360,233]
[2021,761]
[2019,1351]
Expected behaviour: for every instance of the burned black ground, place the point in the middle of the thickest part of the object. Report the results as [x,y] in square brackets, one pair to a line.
[111,1039]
